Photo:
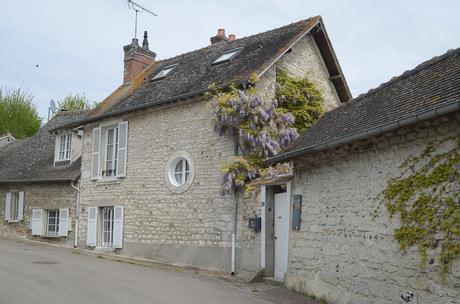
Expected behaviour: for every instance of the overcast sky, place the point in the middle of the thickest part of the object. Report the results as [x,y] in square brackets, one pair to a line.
[78,44]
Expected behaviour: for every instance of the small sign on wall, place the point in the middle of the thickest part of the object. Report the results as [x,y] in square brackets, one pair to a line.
[296,211]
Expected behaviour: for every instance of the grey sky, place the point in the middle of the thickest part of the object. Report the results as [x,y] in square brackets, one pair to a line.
[78,44]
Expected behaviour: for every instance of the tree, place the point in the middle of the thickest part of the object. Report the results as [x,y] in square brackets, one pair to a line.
[18,115]
[75,102]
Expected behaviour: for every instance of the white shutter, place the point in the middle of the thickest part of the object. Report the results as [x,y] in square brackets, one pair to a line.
[57,144]
[95,159]
[21,206]
[37,224]
[92,225]
[63,221]
[7,206]
[122,148]
[118,227]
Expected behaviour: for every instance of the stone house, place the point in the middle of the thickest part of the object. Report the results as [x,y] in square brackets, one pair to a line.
[38,181]
[337,248]
[151,164]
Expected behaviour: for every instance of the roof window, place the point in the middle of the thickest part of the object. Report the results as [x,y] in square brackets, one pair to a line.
[165,71]
[226,56]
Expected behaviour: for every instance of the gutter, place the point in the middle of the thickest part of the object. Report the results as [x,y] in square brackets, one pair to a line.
[10,181]
[378,130]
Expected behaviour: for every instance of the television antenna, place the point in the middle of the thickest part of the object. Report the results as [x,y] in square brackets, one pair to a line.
[52,108]
[138,9]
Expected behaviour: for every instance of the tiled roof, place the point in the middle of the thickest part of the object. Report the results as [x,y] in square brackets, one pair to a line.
[432,84]
[32,159]
[194,71]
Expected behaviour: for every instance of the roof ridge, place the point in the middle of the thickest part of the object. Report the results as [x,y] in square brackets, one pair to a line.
[236,40]
[420,67]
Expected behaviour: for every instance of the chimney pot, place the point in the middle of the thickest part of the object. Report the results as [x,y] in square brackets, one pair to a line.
[219,37]
[231,37]
[145,42]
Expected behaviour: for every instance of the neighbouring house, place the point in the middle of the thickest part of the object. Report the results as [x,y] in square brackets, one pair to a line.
[6,139]
[338,247]
[151,163]
[38,183]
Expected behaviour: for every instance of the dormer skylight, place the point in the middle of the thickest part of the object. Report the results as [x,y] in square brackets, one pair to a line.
[165,71]
[226,56]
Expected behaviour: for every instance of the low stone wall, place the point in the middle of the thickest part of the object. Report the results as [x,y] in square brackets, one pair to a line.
[343,253]
[38,196]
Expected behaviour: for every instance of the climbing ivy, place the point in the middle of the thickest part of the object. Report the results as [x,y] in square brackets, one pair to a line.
[425,197]
[264,126]
[299,97]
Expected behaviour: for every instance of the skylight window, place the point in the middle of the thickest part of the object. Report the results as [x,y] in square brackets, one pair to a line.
[226,56]
[165,71]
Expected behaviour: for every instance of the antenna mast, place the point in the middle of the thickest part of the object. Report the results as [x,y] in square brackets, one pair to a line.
[138,9]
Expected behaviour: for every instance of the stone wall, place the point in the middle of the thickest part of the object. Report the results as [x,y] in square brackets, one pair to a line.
[38,196]
[341,252]
[304,60]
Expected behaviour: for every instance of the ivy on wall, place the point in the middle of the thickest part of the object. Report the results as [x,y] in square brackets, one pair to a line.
[425,197]
[264,126]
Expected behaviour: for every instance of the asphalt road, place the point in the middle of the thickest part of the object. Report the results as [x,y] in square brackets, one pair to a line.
[34,274]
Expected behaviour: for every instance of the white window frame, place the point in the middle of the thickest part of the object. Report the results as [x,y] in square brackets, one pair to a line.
[55,224]
[164,72]
[14,207]
[227,56]
[186,175]
[107,221]
[63,147]
[113,155]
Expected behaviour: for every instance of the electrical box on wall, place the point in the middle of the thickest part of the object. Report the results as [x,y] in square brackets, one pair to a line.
[255,223]
[296,211]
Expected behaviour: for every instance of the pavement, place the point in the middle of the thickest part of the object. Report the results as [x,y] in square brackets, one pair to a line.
[35,273]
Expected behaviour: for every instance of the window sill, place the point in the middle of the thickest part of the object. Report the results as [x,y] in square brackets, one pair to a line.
[51,236]
[12,222]
[108,181]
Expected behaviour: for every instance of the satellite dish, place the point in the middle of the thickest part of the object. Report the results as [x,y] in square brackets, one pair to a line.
[53,106]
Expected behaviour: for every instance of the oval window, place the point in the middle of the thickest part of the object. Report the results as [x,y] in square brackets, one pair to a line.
[181,172]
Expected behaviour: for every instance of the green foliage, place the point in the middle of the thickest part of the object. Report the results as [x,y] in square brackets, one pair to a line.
[75,102]
[299,97]
[18,115]
[426,199]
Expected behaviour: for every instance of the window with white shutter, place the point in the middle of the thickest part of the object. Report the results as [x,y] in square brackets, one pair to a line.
[118,227]
[95,160]
[37,222]
[63,147]
[91,229]
[122,148]
[14,206]
[63,221]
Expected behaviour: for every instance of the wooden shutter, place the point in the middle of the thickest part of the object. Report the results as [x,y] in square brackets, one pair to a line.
[21,206]
[7,206]
[91,230]
[63,221]
[37,224]
[95,159]
[118,227]
[122,148]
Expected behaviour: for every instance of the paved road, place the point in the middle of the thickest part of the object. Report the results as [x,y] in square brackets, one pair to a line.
[35,274]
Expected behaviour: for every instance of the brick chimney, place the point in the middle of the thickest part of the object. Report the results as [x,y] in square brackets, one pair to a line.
[137,58]
[219,37]
[231,37]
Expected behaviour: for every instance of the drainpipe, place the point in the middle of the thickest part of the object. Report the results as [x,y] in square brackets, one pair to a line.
[77,212]
[235,213]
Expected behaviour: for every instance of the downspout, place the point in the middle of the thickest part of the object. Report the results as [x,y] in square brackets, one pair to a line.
[235,212]
[77,212]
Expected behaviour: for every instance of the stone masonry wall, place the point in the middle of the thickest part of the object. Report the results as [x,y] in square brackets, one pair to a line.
[341,252]
[38,196]
[303,61]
